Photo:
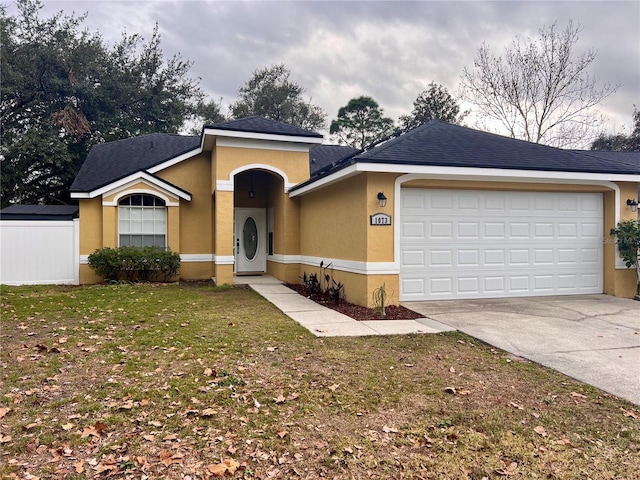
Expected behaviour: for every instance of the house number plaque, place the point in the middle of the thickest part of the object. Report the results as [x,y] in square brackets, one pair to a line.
[380,219]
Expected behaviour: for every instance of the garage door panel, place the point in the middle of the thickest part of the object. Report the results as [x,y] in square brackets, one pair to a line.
[475,244]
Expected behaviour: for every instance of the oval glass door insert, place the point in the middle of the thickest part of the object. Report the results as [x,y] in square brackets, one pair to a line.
[250,238]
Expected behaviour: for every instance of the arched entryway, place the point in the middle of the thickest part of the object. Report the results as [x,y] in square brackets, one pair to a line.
[258,194]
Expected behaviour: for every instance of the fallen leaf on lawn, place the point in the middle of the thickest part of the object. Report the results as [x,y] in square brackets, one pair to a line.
[144,402]
[155,423]
[282,434]
[79,466]
[168,458]
[208,412]
[451,390]
[62,340]
[4,411]
[293,396]
[228,465]
[67,426]
[508,470]
[256,403]
[208,372]
[30,426]
[540,430]
[271,349]
[386,429]
[148,437]
[515,405]
[464,392]
[452,370]
[629,413]
[563,441]
[577,395]
[334,387]
[5,438]
[279,399]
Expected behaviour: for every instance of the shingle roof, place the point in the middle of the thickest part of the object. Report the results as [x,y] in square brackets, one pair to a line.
[109,162]
[443,144]
[263,125]
[39,212]
[325,156]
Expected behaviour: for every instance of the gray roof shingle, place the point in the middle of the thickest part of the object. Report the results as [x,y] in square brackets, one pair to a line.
[322,157]
[443,144]
[263,125]
[109,162]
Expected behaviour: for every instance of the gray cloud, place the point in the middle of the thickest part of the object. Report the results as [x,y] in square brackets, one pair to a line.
[388,50]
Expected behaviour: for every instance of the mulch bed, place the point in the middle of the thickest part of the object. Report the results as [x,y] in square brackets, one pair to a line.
[358,312]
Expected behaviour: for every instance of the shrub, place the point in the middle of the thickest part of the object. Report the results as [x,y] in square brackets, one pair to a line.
[145,264]
[628,240]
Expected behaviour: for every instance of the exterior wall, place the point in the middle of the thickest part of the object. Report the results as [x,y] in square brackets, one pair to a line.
[335,226]
[622,281]
[294,164]
[90,235]
[335,219]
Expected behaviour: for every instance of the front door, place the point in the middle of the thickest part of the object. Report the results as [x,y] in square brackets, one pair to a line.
[250,240]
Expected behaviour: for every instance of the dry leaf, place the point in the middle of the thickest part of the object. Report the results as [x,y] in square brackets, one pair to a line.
[4,411]
[334,387]
[228,465]
[577,395]
[208,412]
[67,426]
[629,413]
[256,403]
[5,439]
[508,470]
[564,441]
[386,429]
[271,349]
[540,430]
[452,370]
[279,399]
[451,390]
[282,434]
[79,466]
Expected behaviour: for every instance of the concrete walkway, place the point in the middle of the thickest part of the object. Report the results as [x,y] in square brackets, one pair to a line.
[325,322]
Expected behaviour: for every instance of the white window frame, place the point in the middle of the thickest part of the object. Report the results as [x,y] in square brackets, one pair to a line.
[159,204]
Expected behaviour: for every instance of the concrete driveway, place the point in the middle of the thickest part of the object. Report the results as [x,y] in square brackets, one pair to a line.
[593,338]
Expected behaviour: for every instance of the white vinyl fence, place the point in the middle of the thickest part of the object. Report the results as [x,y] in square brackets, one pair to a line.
[39,252]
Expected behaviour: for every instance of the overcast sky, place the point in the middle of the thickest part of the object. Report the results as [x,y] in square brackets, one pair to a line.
[387,50]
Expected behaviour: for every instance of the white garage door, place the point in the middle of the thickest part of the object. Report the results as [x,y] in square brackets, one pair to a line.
[457,244]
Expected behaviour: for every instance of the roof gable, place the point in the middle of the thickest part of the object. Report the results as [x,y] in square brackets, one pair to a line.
[110,162]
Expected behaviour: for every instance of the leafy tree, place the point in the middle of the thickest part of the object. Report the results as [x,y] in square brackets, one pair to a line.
[63,90]
[539,89]
[435,103]
[361,123]
[269,93]
[620,141]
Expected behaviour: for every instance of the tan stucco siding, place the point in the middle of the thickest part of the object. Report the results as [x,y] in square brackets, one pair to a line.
[90,235]
[380,237]
[618,282]
[294,164]
[192,225]
[333,221]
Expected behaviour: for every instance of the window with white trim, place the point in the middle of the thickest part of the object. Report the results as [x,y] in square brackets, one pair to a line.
[142,221]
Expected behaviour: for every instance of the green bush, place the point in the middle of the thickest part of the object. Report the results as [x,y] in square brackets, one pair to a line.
[145,264]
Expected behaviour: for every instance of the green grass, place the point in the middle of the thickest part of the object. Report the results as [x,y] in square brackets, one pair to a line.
[105,380]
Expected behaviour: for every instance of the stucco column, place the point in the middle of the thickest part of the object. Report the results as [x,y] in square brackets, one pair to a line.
[173,228]
[223,241]
[109,227]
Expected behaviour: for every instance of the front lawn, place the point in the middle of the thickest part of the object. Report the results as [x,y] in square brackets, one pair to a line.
[192,381]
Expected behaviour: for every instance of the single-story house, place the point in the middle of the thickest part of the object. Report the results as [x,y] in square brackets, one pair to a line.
[440,212]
